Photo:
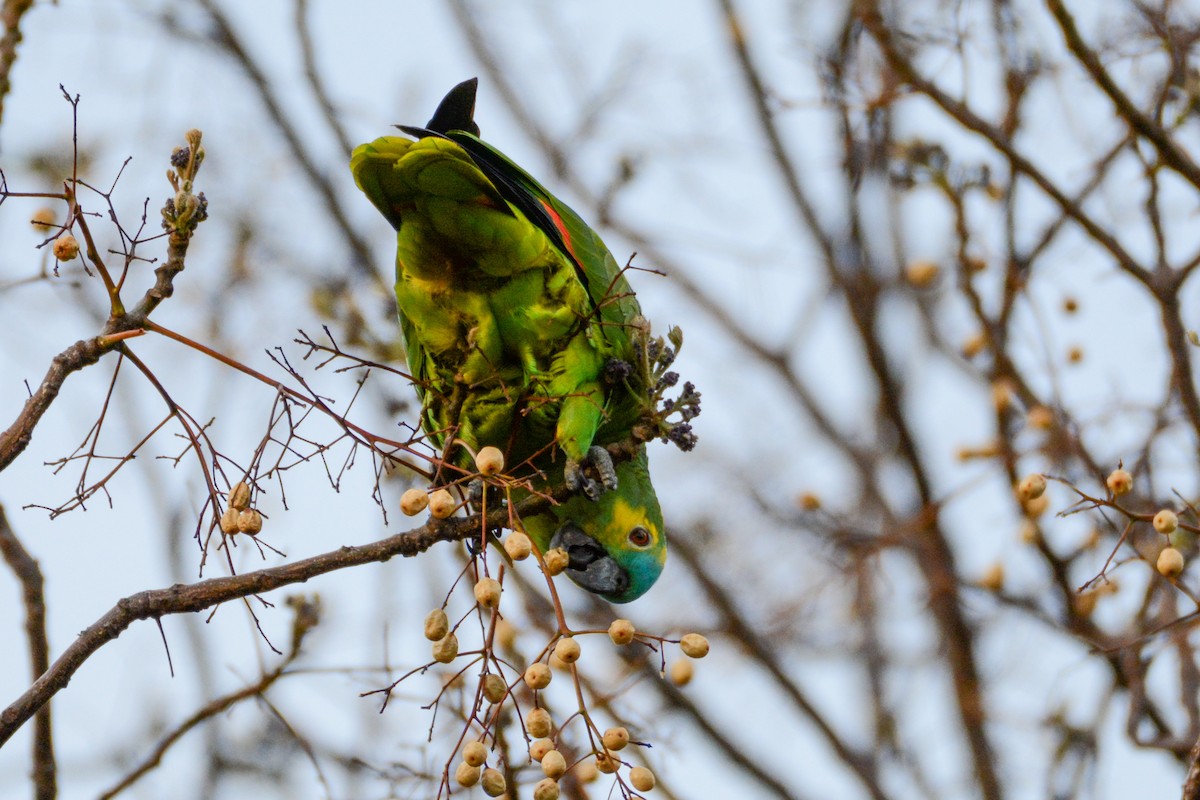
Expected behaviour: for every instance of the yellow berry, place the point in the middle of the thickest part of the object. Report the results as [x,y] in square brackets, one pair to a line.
[567,650]
[1037,506]
[1170,562]
[921,273]
[445,649]
[642,779]
[586,772]
[1166,521]
[43,218]
[1119,482]
[681,672]
[487,592]
[554,765]
[546,789]
[621,631]
[537,722]
[441,504]
[229,520]
[239,496]
[436,625]
[615,738]
[539,748]
[606,763]
[537,675]
[475,753]
[489,461]
[1031,487]
[556,560]
[518,546]
[65,247]
[493,782]
[249,522]
[506,634]
[413,502]
[494,688]
[466,775]
[694,646]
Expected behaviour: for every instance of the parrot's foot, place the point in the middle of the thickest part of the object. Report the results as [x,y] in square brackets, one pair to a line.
[601,463]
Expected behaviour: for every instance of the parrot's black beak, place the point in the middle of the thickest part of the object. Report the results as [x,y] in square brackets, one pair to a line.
[589,564]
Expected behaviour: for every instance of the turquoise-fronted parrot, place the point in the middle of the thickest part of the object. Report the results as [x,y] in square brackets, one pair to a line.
[522,333]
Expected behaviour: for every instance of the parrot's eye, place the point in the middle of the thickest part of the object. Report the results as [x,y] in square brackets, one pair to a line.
[639,537]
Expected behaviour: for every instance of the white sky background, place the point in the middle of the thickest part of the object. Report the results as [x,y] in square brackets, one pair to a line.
[707,195]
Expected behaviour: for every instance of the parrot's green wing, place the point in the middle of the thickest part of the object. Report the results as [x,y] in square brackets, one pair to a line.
[521,330]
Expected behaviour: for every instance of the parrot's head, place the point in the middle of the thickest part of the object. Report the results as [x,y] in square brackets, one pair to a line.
[616,545]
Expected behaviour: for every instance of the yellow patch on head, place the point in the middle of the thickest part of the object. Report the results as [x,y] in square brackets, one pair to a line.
[626,518]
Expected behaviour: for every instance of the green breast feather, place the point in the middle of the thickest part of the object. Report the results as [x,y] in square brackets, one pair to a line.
[517,322]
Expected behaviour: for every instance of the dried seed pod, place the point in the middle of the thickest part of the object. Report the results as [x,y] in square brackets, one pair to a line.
[556,560]
[445,649]
[1170,563]
[546,789]
[642,779]
[1031,487]
[621,631]
[229,520]
[694,645]
[538,723]
[487,592]
[518,546]
[413,502]
[537,675]
[466,775]
[43,219]
[1119,482]
[475,753]
[493,782]
[239,496]
[554,765]
[567,650]
[249,522]
[441,504]
[489,461]
[66,248]
[1166,521]
[616,738]
[436,625]
[494,688]
[539,748]
[681,672]
[606,763]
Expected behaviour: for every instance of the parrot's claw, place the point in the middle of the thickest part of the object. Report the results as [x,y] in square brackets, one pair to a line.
[601,463]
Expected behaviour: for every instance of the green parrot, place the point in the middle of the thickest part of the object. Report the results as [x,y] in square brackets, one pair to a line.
[522,333]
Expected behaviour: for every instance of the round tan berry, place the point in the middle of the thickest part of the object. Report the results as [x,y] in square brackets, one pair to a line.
[441,504]
[921,274]
[1170,563]
[466,775]
[506,634]
[494,688]
[43,218]
[537,675]
[229,520]
[65,247]
[554,765]
[1029,532]
[487,592]
[445,649]
[239,496]
[493,782]
[1037,506]
[475,753]
[567,650]
[1166,521]
[518,546]
[537,722]
[1085,603]
[606,763]
[1040,418]
[413,502]
[694,645]
[586,772]
[539,748]
[642,779]
[436,625]
[546,789]
[1031,487]
[615,738]
[681,672]
[489,461]
[621,631]
[1119,482]
[250,522]
[556,560]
